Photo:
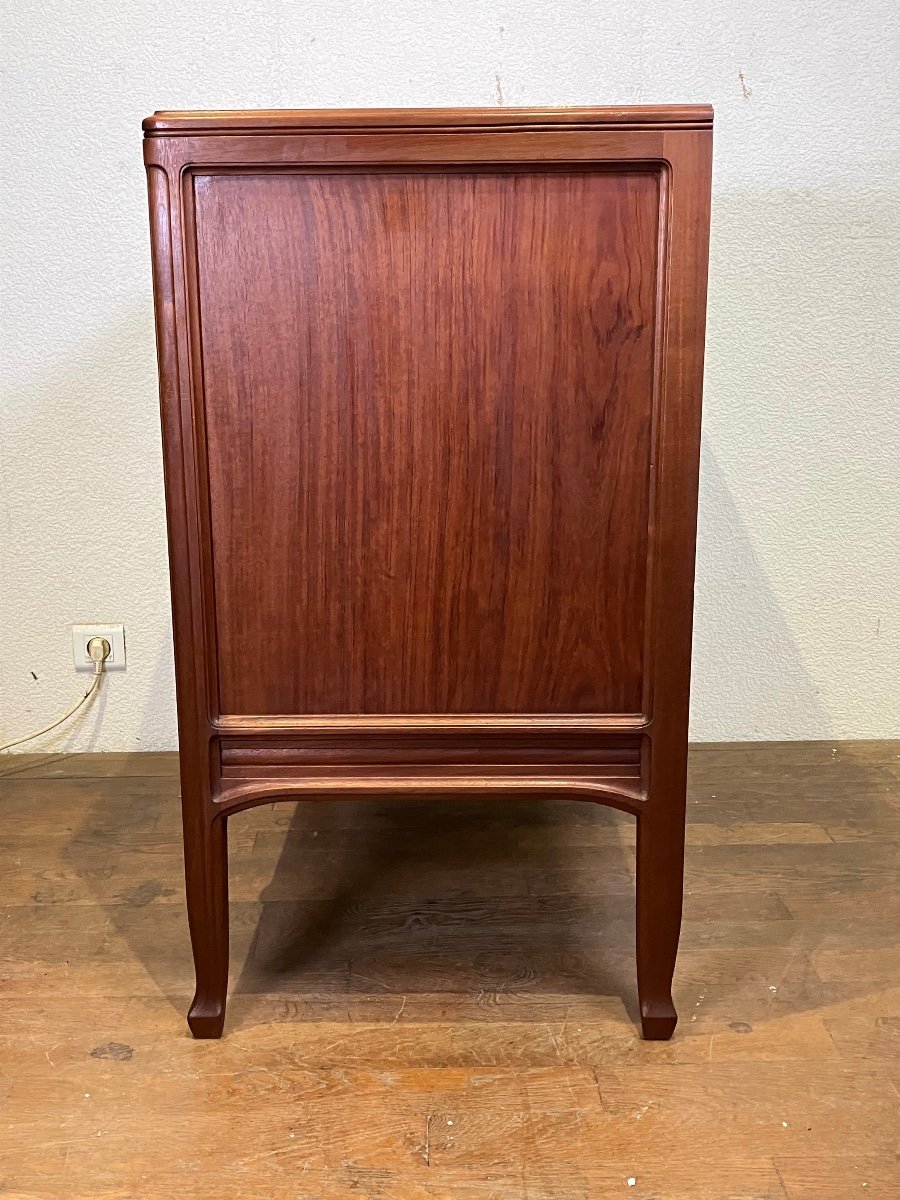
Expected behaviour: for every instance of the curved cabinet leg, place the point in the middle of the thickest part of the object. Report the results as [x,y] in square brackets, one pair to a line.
[206,879]
[660,886]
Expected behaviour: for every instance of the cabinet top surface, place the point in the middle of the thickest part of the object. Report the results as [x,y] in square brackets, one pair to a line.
[674,116]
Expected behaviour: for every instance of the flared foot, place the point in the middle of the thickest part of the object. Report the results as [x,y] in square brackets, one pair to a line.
[206,877]
[206,1019]
[658,1021]
[660,882]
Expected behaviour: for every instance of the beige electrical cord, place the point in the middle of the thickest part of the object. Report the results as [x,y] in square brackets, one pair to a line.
[99,650]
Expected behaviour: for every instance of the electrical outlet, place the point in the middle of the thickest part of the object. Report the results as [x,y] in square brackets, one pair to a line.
[114,634]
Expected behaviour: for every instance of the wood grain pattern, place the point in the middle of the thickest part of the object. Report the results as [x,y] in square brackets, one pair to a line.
[265,121]
[414,384]
[432,998]
[430,386]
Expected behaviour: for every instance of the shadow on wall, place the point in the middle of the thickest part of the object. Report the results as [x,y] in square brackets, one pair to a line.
[744,651]
[798,572]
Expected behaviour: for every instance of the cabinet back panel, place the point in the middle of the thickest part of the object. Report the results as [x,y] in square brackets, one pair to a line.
[427,408]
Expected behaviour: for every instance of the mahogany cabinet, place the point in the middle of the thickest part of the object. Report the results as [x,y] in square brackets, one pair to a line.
[430,386]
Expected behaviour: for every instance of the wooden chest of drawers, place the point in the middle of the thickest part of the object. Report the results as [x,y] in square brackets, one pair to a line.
[430,389]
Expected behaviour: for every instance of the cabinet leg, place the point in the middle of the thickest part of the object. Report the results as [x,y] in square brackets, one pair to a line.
[206,878]
[660,885]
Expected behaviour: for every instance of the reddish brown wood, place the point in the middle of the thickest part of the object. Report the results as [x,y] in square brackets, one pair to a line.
[392,411]
[431,394]
[641,116]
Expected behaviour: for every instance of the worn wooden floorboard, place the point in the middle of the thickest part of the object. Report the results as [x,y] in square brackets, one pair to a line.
[435,1000]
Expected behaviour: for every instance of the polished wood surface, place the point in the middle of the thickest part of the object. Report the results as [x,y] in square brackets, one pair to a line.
[430,388]
[427,410]
[432,1000]
[266,121]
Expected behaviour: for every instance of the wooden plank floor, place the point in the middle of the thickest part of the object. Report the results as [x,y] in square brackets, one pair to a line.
[435,1000]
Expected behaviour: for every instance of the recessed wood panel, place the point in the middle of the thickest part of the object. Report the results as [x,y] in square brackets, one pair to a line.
[427,408]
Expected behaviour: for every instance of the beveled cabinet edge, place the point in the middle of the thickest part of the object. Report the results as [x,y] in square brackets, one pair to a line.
[179,456]
[664,116]
[664,670]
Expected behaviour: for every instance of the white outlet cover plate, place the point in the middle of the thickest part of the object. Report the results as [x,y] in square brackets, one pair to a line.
[114,634]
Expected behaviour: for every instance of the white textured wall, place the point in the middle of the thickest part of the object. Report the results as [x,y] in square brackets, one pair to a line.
[797,629]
